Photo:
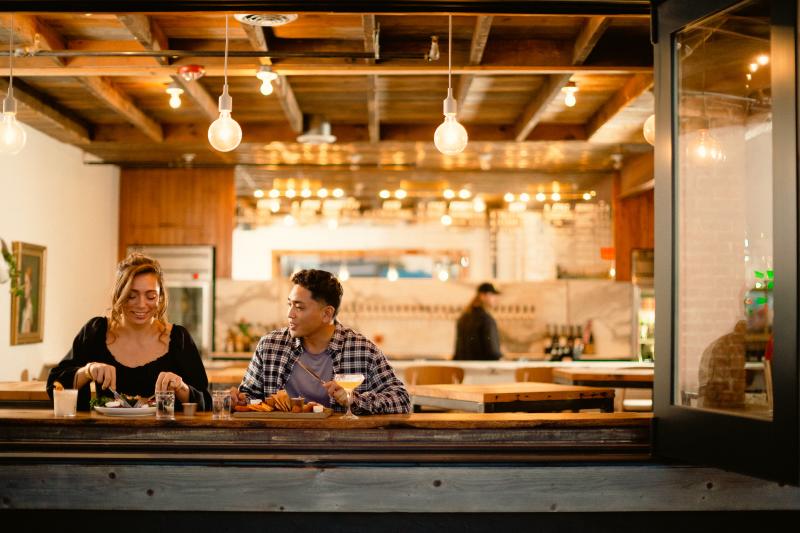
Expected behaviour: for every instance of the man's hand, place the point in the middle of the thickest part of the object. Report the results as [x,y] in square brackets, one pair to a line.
[239,398]
[336,392]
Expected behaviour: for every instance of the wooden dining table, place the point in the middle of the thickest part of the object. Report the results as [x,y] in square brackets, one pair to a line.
[24,394]
[619,378]
[508,397]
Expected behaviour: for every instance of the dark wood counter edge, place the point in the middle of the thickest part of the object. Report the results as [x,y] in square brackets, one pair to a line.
[425,437]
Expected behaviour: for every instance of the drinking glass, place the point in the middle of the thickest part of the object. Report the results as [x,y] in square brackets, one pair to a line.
[220,405]
[65,402]
[349,382]
[165,405]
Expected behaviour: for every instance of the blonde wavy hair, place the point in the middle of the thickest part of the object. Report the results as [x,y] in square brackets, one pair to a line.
[130,267]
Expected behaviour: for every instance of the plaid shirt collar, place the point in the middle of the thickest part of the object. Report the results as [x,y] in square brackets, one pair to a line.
[334,348]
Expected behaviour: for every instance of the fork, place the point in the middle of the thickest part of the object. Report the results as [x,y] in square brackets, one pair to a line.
[119,398]
[143,402]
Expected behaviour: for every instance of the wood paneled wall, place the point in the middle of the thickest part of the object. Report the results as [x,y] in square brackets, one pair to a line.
[634,225]
[178,206]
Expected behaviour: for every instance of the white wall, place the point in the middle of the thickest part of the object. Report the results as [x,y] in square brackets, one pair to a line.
[50,198]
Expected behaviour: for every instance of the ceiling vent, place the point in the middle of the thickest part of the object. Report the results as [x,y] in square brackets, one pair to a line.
[318,132]
[265,19]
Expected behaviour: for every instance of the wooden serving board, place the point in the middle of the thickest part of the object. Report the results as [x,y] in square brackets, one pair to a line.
[281,414]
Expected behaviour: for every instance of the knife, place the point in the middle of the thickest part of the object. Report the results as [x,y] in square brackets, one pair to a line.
[119,398]
[304,367]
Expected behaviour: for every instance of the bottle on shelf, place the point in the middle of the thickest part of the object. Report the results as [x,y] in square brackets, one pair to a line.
[588,336]
[577,350]
[548,341]
[571,341]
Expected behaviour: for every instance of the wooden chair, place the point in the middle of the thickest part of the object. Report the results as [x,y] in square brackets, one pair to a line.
[433,375]
[542,374]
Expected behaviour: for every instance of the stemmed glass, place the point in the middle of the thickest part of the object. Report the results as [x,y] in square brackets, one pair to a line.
[349,382]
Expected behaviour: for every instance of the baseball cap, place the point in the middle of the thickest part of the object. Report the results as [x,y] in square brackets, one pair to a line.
[487,287]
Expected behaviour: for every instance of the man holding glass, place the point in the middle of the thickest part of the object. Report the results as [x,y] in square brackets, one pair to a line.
[304,357]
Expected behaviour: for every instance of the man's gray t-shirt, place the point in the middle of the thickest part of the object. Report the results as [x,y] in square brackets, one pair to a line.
[301,383]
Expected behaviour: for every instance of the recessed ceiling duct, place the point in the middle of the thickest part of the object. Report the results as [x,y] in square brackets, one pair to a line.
[265,19]
[318,132]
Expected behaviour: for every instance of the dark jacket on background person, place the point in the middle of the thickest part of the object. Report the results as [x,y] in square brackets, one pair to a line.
[476,336]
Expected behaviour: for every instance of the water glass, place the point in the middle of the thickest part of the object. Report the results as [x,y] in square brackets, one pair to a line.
[165,405]
[221,405]
[65,402]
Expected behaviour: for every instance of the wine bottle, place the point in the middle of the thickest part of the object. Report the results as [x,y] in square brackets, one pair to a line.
[577,351]
[548,341]
[570,341]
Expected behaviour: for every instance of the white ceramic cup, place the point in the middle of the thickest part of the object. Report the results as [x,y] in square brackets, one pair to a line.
[65,402]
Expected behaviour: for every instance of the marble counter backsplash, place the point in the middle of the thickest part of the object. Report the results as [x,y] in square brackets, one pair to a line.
[416,318]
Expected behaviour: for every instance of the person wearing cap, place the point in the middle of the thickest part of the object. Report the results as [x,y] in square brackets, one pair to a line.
[476,330]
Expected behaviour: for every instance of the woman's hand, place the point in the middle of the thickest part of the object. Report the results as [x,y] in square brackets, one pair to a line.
[336,392]
[167,381]
[104,375]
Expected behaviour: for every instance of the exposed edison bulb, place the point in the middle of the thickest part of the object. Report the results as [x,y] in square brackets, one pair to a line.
[555,197]
[570,100]
[706,148]
[267,88]
[338,193]
[174,91]
[392,274]
[508,197]
[12,135]
[225,134]
[587,196]
[541,197]
[649,130]
[384,194]
[449,194]
[400,194]
[446,220]
[450,137]
[443,275]
[762,59]
[322,193]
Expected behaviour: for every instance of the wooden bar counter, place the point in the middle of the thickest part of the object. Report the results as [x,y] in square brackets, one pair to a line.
[222,470]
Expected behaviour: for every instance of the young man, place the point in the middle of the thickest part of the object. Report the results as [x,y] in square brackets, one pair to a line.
[316,343]
[476,330]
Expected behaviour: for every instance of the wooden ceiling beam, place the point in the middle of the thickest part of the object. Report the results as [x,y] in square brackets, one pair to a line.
[373,97]
[50,116]
[583,45]
[373,110]
[633,88]
[283,89]
[35,33]
[480,35]
[120,102]
[149,34]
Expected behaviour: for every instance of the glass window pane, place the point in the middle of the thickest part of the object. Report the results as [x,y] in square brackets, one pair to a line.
[724,211]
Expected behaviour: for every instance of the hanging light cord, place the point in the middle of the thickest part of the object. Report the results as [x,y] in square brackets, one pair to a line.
[11,57]
[225,66]
[449,50]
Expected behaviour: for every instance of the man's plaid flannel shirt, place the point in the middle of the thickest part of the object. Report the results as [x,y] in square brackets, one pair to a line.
[274,358]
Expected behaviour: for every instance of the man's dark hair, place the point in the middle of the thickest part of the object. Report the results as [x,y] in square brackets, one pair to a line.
[323,286]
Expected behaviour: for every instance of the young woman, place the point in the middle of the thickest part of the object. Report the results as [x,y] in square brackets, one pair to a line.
[135,350]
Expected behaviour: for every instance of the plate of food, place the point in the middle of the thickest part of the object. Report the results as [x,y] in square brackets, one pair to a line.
[125,411]
[280,405]
[111,407]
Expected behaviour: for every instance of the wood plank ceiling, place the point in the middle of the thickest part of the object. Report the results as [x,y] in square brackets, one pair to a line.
[369,75]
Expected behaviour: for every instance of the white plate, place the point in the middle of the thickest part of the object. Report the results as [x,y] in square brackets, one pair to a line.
[125,411]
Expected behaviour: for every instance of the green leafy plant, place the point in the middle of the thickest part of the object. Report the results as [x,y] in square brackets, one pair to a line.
[13,273]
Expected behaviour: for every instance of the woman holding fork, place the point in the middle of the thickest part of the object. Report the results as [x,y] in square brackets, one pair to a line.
[134,350]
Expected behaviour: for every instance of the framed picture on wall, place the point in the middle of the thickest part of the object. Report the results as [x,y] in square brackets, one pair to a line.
[27,308]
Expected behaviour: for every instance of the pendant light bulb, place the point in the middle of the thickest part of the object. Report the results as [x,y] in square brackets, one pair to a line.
[12,135]
[174,91]
[266,75]
[569,97]
[649,130]
[450,137]
[225,134]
